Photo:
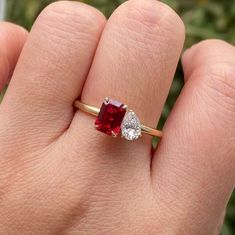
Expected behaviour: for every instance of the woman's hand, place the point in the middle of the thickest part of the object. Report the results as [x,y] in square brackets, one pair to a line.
[58,175]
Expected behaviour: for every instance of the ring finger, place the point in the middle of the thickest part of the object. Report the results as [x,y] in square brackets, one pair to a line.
[134,63]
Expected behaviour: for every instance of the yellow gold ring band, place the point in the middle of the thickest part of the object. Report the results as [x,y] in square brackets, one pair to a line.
[121,120]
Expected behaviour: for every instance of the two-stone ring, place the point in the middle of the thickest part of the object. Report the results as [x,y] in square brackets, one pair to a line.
[114,118]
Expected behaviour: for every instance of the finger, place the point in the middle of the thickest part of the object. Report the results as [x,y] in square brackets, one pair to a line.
[134,63]
[51,72]
[194,167]
[90,173]
[12,39]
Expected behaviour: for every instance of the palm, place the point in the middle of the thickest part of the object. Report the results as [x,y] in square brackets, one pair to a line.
[60,175]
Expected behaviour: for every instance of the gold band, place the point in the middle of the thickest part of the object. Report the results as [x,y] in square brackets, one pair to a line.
[95,111]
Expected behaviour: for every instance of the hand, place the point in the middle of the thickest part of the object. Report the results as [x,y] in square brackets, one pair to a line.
[58,175]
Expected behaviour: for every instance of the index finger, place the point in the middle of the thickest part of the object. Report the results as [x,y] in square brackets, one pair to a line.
[12,39]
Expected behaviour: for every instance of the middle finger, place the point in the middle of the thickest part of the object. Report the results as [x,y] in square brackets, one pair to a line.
[134,63]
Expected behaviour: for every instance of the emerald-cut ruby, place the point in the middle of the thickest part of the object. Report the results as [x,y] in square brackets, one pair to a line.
[110,117]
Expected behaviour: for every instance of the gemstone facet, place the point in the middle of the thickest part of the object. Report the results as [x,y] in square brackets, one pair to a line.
[110,117]
[131,127]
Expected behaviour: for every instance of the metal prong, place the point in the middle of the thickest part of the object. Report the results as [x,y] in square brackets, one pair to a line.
[125,106]
[106,100]
[131,111]
[114,134]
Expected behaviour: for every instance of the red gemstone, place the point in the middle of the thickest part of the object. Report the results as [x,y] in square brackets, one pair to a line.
[110,117]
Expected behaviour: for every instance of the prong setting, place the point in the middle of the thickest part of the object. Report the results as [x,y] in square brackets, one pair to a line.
[114,134]
[106,100]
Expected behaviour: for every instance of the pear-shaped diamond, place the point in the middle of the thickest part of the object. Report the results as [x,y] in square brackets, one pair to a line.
[131,127]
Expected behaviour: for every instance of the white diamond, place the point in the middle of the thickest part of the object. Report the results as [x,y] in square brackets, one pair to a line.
[131,128]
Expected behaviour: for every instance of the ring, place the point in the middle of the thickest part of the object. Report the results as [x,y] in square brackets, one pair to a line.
[114,117]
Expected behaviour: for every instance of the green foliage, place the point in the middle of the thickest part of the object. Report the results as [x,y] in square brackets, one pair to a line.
[203,19]
[2,94]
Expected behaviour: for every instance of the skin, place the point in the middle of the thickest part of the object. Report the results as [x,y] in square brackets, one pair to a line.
[60,176]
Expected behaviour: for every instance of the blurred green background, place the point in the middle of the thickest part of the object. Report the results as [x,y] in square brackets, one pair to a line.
[203,19]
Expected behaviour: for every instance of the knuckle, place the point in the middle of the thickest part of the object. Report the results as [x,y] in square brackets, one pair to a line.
[222,81]
[10,28]
[218,88]
[171,19]
[148,29]
[141,12]
[151,16]
[209,50]
[216,68]
[212,43]
[72,18]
